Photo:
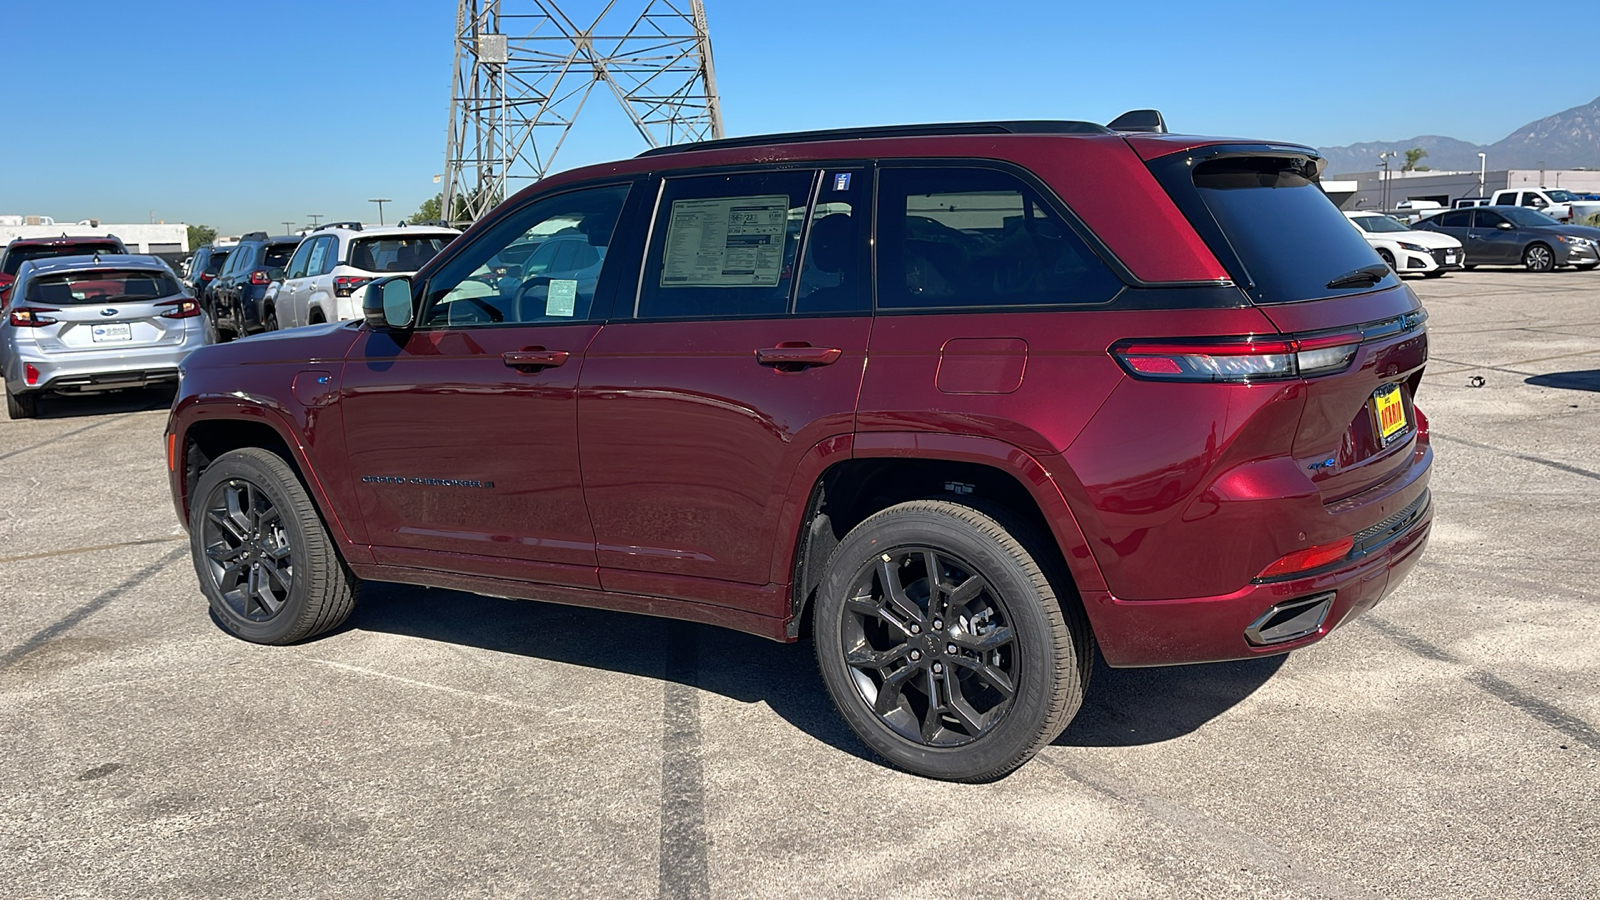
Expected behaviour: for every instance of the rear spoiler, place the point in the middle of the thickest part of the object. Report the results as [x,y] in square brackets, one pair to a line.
[1139,121]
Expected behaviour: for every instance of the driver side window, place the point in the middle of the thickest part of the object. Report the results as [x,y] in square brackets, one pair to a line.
[297,264]
[530,268]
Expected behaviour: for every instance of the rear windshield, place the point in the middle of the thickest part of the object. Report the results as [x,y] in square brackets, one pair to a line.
[214,264]
[395,254]
[19,255]
[278,255]
[101,286]
[1290,239]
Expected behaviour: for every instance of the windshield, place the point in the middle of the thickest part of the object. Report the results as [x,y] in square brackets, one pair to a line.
[396,254]
[1526,217]
[101,286]
[20,255]
[1381,224]
[1561,196]
[1290,239]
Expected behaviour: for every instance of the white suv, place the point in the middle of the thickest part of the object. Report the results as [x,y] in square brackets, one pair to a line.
[329,271]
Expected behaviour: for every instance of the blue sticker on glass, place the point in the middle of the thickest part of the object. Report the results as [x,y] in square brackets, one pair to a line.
[841,181]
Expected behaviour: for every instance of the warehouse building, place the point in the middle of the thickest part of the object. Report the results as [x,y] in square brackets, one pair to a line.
[1444,188]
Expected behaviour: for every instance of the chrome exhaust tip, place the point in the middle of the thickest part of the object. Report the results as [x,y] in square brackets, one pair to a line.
[1290,621]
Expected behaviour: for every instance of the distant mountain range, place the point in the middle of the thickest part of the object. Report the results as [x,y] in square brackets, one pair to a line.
[1566,140]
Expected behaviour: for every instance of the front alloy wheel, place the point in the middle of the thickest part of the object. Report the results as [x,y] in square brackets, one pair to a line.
[1538,258]
[248,551]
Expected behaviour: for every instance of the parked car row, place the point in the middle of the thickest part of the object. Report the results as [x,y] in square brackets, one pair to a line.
[1471,236]
[264,283]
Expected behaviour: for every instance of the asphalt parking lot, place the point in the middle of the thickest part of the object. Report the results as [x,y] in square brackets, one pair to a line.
[441,744]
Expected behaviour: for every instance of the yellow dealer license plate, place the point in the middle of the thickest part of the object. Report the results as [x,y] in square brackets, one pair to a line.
[1389,412]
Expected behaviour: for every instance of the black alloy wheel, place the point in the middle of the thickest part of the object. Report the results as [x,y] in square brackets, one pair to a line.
[943,642]
[1388,259]
[930,647]
[269,322]
[1538,258]
[265,561]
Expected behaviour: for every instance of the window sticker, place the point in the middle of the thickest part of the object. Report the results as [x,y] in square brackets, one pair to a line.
[562,300]
[725,242]
[841,181]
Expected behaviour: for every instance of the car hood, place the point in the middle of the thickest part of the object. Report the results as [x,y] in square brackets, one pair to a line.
[1433,240]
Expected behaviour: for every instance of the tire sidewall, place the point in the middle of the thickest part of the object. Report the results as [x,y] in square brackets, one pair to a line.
[1528,262]
[244,466]
[1017,735]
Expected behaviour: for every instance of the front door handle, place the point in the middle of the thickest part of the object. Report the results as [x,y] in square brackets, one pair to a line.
[798,356]
[534,358]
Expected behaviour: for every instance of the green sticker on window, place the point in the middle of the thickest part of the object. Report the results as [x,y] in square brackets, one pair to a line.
[563,297]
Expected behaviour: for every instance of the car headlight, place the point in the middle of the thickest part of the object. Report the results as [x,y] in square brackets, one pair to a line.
[1574,241]
[1414,248]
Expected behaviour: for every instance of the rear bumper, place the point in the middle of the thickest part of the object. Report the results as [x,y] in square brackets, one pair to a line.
[1213,629]
[100,371]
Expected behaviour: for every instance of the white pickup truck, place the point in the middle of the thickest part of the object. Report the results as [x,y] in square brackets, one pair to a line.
[1558,204]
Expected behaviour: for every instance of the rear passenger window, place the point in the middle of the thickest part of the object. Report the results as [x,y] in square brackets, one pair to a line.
[725,246]
[965,237]
[1460,218]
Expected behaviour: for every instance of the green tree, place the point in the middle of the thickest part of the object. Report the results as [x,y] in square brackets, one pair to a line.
[428,211]
[201,234]
[1414,156]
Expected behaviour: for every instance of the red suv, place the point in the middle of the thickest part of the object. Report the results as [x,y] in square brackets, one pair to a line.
[958,401]
[20,250]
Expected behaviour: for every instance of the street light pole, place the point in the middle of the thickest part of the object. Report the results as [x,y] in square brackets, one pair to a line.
[380,201]
[1483,170]
[314,217]
[288,228]
[1384,158]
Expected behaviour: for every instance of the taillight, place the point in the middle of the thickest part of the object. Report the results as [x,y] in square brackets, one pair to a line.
[206,276]
[186,309]
[1251,359]
[30,374]
[345,285]
[1309,558]
[260,277]
[28,317]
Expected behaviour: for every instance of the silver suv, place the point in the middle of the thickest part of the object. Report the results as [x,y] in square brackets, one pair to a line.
[94,323]
[327,275]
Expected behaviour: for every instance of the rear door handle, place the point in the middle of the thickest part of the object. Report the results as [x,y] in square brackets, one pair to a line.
[534,359]
[798,356]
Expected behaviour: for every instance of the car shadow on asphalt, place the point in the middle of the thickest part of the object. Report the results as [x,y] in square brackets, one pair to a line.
[1581,380]
[1125,707]
[111,403]
[1130,707]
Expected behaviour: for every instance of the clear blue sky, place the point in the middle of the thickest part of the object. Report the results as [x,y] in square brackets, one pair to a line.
[244,114]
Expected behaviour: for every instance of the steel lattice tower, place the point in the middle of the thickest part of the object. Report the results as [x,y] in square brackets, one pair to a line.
[525,68]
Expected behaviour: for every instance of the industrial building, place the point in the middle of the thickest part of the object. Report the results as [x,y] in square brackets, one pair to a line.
[1381,190]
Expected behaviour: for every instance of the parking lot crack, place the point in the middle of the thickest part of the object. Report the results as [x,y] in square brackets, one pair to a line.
[99,602]
[1548,713]
[1522,456]
[684,870]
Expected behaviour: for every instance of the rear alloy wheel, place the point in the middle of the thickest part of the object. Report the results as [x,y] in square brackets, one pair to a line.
[269,322]
[1538,258]
[1388,259]
[266,562]
[944,645]
[22,406]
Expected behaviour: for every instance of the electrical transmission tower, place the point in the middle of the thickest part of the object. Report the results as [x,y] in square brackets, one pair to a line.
[525,68]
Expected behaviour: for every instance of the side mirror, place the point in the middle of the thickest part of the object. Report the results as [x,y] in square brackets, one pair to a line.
[1504,226]
[387,305]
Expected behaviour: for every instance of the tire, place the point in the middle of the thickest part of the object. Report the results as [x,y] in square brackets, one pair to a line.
[277,584]
[1388,259]
[870,640]
[22,406]
[1436,273]
[316,317]
[1538,258]
[1468,268]
[269,322]
[216,331]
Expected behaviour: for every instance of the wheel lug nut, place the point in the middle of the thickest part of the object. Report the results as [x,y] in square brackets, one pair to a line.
[916,655]
[951,649]
[916,629]
[937,624]
[937,668]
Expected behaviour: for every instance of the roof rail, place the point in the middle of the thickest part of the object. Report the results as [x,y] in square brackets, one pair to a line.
[353,226]
[253,236]
[1040,126]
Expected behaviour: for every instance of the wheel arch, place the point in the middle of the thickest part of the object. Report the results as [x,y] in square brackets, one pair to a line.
[873,471]
[202,432]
